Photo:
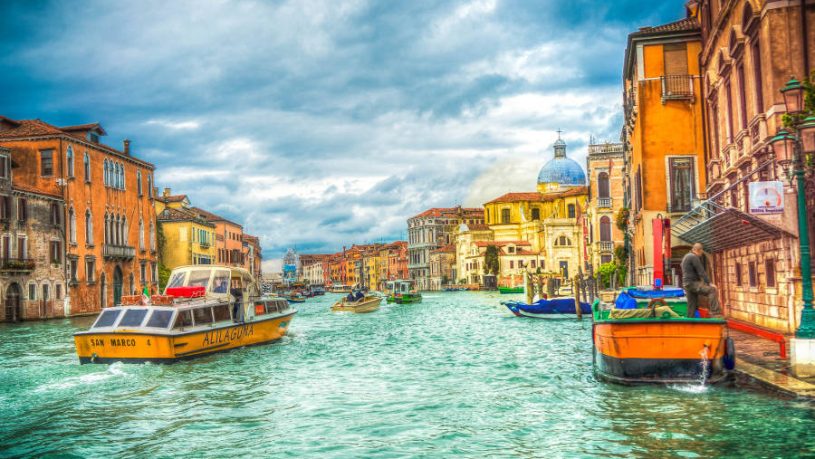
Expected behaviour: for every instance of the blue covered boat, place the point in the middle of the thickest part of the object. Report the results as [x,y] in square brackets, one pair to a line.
[558,308]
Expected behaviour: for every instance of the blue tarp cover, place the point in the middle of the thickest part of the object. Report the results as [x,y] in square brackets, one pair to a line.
[555,306]
[627,299]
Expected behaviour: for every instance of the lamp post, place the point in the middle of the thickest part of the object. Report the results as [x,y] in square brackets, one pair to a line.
[791,150]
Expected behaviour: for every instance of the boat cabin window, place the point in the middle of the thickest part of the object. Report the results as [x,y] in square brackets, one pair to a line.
[221,313]
[107,318]
[160,319]
[202,316]
[177,280]
[184,319]
[133,318]
[199,278]
[220,283]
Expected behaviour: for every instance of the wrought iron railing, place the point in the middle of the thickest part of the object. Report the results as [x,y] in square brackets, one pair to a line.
[677,87]
[17,264]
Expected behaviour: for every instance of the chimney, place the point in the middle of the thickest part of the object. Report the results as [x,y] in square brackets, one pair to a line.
[166,192]
[126,143]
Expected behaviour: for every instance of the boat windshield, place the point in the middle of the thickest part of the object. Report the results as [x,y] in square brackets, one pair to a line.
[177,280]
[199,278]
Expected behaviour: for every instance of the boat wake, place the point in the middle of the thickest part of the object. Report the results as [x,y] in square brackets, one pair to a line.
[113,371]
[704,366]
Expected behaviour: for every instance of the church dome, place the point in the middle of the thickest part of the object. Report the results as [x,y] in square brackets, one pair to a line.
[561,170]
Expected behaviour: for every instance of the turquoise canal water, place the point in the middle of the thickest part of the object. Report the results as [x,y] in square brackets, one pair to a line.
[451,376]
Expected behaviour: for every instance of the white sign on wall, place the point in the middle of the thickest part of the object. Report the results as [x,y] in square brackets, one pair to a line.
[766,198]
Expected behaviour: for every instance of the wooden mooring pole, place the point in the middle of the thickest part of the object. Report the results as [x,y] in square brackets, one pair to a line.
[576,290]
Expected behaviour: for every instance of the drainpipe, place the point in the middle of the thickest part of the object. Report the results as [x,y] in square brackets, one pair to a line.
[804,42]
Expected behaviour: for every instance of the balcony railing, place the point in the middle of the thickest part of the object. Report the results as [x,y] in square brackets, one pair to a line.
[604,203]
[677,87]
[605,246]
[204,245]
[125,252]
[17,264]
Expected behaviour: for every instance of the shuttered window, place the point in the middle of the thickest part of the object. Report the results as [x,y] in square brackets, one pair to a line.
[676,58]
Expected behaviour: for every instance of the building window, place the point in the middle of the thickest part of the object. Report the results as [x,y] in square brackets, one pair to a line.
[536,214]
[757,76]
[769,270]
[511,264]
[605,259]
[141,234]
[505,216]
[58,291]
[533,263]
[149,185]
[71,226]
[72,264]
[88,228]
[602,185]
[751,274]
[152,236]
[138,183]
[47,163]
[5,208]
[56,217]
[675,57]
[56,252]
[742,96]
[738,275]
[87,164]
[563,241]
[90,270]
[22,247]
[22,209]
[143,273]
[729,95]
[45,292]
[605,229]
[106,172]
[4,166]
[572,210]
[69,160]
[32,291]
[681,183]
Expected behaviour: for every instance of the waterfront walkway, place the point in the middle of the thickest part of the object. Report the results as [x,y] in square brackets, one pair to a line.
[760,360]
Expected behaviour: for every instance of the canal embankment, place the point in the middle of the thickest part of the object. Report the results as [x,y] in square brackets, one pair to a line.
[762,362]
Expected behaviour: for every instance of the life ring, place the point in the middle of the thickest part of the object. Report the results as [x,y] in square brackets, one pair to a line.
[729,354]
[653,305]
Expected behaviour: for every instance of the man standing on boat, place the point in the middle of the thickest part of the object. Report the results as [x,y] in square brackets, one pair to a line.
[696,282]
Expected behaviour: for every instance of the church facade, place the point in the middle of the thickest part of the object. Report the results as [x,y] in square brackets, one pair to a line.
[534,230]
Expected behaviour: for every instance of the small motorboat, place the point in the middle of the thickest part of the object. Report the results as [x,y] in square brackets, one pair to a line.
[507,290]
[645,337]
[368,303]
[557,308]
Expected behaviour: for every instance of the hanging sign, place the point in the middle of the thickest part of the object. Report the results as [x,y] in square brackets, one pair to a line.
[766,198]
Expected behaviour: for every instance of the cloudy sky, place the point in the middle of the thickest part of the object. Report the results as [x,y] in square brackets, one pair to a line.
[319,123]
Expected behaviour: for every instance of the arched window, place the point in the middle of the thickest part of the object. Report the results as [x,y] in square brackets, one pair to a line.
[88,228]
[87,163]
[152,236]
[605,229]
[141,234]
[124,230]
[602,185]
[563,241]
[107,173]
[572,212]
[121,176]
[71,226]
[107,229]
[138,182]
[69,160]
[149,185]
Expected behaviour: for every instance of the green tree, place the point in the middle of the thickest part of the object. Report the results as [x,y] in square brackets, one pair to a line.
[491,265]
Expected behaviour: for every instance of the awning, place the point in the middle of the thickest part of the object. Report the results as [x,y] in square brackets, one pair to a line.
[729,228]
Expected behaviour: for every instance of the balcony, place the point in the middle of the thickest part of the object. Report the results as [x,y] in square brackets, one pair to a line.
[19,265]
[677,87]
[605,246]
[205,245]
[118,252]
[604,203]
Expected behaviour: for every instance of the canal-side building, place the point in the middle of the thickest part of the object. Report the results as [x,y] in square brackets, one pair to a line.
[252,255]
[430,230]
[750,48]
[442,267]
[469,260]
[187,238]
[32,267]
[228,238]
[605,165]
[108,205]
[663,137]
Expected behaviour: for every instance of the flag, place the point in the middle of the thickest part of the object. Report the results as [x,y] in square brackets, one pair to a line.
[145,296]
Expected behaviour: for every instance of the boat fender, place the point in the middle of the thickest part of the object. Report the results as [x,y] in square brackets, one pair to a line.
[729,354]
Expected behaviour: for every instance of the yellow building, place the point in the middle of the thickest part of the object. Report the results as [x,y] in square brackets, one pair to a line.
[664,136]
[189,239]
[532,230]
[371,267]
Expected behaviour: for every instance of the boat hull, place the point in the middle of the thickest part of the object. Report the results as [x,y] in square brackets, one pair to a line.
[659,351]
[141,347]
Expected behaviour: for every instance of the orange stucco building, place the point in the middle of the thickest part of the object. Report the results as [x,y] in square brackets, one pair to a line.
[110,243]
[663,134]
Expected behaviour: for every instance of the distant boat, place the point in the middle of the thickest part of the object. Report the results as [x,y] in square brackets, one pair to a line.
[340,289]
[402,293]
[366,304]
[557,308]
[505,290]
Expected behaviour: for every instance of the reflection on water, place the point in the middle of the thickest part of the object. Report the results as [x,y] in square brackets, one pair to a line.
[450,376]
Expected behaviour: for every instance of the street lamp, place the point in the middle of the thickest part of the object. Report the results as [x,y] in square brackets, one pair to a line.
[792,150]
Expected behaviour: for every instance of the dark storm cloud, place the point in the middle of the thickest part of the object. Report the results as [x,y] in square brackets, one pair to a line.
[321,122]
